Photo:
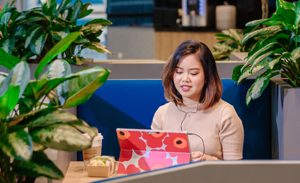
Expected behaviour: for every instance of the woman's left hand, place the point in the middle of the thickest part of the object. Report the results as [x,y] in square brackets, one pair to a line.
[199,156]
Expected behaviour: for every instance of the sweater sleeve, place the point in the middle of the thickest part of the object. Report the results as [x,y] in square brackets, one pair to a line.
[231,134]
[156,122]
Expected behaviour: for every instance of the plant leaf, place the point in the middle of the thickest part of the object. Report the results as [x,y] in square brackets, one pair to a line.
[7,60]
[285,5]
[81,40]
[97,47]
[9,100]
[2,78]
[272,63]
[236,35]
[84,127]
[236,72]
[32,33]
[297,38]
[263,56]
[256,22]
[247,72]
[26,120]
[58,69]
[99,21]
[30,20]
[38,165]
[82,88]
[61,137]
[18,76]
[58,116]
[8,45]
[256,54]
[20,31]
[48,6]
[62,5]
[45,117]
[51,10]
[261,43]
[74,12]
[37,45]
[260,83]
[295,54]
[13,87]
[4,8]
[5,18]
[263,31]
[285,17]
[95,26]
[297,19]
[59,35]
[87,13]
[61,46]
[35,90]
[84,11]
[17,145]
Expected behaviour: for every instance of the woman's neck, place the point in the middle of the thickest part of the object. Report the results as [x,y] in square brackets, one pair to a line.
[189,102]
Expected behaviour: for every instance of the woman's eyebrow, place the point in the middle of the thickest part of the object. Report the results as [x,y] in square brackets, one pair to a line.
[177,67]
[194,69]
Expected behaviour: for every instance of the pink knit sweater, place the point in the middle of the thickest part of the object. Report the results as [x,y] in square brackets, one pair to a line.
[219,127]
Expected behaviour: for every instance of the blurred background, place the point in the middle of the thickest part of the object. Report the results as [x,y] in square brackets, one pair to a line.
[152,29]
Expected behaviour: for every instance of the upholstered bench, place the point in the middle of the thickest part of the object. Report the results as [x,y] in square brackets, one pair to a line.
[132,104]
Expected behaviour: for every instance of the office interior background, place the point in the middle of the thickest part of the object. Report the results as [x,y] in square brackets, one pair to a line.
[136,22]
[152,29]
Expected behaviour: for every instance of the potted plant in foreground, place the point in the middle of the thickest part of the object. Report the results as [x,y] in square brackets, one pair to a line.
[27,129]
[30,34]
[277,52]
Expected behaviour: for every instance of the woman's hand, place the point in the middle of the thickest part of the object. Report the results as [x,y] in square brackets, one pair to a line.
[199,156]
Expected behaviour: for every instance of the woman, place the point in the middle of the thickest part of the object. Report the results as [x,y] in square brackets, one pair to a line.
[193,88]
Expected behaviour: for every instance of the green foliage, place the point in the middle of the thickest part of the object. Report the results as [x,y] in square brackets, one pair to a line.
[27,128]
[230,41]
[276,50]
[30,34]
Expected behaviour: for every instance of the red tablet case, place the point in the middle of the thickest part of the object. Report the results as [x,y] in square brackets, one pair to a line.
[143,150]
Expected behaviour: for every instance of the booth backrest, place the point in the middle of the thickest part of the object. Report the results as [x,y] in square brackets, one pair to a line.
[132,104]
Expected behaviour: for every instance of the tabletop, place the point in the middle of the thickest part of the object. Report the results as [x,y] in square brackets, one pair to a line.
[77,173]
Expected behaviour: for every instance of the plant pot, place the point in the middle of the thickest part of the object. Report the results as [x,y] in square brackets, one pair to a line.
[238,56]
[285,105]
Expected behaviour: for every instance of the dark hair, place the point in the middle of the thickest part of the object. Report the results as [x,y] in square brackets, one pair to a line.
[213,86]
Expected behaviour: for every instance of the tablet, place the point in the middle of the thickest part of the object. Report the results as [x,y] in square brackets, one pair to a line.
[143,150]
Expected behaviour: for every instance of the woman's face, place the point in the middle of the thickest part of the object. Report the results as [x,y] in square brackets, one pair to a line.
[189,78]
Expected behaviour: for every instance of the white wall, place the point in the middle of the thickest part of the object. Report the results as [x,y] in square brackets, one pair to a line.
[131,42]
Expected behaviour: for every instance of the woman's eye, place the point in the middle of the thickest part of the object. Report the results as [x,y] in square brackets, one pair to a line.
[194,74]
[178,72]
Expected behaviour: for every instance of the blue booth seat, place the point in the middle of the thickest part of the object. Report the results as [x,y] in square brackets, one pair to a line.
[132,104]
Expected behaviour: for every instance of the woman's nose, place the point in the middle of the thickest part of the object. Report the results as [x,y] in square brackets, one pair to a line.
[185,77]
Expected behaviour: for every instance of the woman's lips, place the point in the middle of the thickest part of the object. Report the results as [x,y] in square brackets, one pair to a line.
[185,88]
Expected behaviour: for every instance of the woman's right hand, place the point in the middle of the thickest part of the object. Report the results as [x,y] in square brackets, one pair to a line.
[199,156]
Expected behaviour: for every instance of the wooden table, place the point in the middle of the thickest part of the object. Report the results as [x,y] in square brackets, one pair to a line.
[77,173]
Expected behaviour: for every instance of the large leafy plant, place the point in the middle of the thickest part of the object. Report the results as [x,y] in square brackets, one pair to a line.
[32,33]
[27,128]
[231,41]
[276,51]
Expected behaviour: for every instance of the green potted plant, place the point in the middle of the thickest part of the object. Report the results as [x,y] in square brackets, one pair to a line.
[230,41]
[27,129]
[276,52]
[32,33]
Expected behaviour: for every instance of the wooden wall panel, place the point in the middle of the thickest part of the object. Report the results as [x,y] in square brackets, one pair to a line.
[167,42]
